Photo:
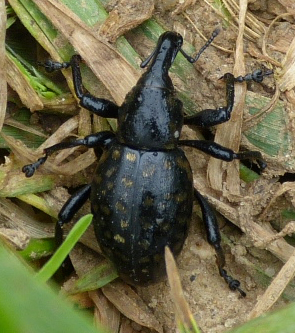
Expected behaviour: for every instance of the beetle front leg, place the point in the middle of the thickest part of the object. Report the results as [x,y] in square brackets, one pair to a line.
[100,139]
[212,117]
[214,239]
[222,153]
[99,106]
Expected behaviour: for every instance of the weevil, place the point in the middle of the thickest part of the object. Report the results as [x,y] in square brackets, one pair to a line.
[142,192]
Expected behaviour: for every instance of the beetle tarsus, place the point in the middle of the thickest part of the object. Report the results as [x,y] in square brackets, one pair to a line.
[232,283]
[257,76]
[30,169]
[51,66]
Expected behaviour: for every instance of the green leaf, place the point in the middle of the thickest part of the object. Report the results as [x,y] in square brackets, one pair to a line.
[29,306]
[47,271]
[276,322]
[38,248]
[96,278]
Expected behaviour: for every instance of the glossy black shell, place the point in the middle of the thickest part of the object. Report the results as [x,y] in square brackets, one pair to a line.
[141,201]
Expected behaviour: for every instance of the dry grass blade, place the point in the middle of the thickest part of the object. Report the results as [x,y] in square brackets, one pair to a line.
[267,33]
[110,67]
[184,316]
[3,85]
[276,288]
[20,84]
[131,305]
[21,126]
[61,133]
[253,29]
[17,218]
[105,313]
[229,133]
[286,80]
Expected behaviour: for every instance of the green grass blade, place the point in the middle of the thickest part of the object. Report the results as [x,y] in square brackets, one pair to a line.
[62,252]
[29,306]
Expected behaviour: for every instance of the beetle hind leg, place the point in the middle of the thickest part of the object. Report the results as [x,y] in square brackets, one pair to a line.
[214,239]
[72,205]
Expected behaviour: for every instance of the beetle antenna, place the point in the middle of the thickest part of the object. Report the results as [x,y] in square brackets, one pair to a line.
[148,59]
[209,41]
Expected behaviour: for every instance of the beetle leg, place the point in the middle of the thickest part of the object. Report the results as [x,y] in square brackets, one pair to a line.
[69,209]
[214,239]
[211,117]
[222,153]
[99,106]
[96,140]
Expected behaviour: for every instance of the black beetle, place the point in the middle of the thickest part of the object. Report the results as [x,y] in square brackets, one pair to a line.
[142,192]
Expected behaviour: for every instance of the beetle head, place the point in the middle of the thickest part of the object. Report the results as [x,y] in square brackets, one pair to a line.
[163,56]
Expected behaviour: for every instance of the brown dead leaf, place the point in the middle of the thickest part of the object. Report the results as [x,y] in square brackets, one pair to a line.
[127,326]
[105,313]
[127,15]
[15,237]
[106,63]
[81,299]
[131,305]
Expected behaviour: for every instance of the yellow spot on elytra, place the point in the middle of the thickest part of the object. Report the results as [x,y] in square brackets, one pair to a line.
[148,201]
[124,224]
[145,244]
[110,171]
[98,179]
[145,260]
[105,209]
[167,165]
[119,206]
[180,197]
[149,171]
[131,157]
[127,182]
[167,196]
[116,154]
[119,238]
